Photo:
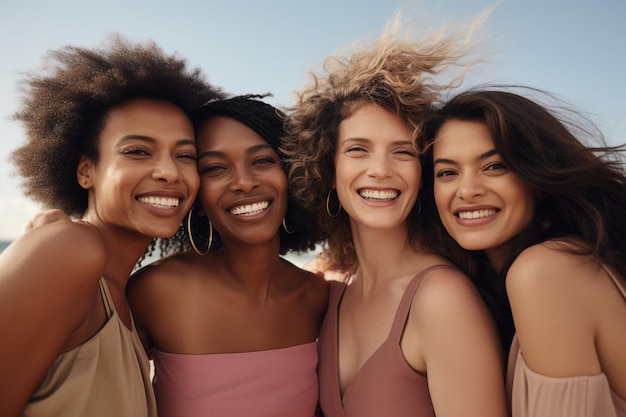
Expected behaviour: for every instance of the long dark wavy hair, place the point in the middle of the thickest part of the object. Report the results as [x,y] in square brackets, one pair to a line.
[580,182]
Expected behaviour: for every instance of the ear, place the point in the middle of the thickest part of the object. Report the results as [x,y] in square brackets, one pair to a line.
[84,172]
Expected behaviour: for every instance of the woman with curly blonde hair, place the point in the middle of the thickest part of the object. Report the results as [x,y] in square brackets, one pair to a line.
[406,332]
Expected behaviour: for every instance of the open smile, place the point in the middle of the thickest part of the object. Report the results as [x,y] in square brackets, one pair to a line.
[160,202]
[250,209]
[378,195]
[476,214]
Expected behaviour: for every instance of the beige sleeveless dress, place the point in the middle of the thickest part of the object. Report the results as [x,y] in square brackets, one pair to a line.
[108,375]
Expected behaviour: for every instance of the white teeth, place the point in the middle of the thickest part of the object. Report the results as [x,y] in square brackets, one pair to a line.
[250,209]
[476,214]
[160,202]
[378,194]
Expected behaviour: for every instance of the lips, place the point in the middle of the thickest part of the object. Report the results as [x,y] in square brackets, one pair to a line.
[160,202]
[378,195]
[250,209]
[476,214]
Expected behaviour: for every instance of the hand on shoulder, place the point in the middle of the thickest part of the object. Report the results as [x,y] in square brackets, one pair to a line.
[46,217]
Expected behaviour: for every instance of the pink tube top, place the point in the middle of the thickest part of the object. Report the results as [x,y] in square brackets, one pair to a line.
[278,382]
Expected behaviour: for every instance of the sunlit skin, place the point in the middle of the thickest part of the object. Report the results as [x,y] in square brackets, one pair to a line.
[378,172]
[244,186]
[243,297]
[378,179]
[141,186]
[482,203]
[565,307]
[145,179]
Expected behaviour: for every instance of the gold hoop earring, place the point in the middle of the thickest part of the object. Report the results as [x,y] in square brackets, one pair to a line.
[289,232]
[328,203]
[193,243]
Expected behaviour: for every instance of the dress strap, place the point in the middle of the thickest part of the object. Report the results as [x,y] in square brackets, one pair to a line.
[399,321]
[106,298]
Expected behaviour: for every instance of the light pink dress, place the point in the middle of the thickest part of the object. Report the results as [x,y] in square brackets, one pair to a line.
[535,395]
[277,383]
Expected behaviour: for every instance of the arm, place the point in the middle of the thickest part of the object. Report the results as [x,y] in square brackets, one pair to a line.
[138,295]
[45,294]
[459,346]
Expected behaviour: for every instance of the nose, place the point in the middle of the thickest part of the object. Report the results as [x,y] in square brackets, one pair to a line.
[243,179]
[379,166]
[470,186]
[166,169]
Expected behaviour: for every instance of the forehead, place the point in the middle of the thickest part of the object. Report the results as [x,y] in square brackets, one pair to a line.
[463,137]
[222,132]
[151,118]
[370,121]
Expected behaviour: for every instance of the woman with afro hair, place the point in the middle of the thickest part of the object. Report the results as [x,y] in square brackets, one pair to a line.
[111,143]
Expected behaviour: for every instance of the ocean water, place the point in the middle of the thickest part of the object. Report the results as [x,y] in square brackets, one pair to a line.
[4,244]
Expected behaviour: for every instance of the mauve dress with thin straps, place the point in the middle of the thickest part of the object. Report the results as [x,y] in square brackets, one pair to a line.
[385,385]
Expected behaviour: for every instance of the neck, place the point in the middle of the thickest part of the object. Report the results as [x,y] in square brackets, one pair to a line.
[383,254]
[252,267]
[124,248]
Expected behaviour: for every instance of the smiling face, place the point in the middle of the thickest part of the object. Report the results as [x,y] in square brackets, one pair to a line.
[378,172]
[482,204]
[243,186]
[146,178]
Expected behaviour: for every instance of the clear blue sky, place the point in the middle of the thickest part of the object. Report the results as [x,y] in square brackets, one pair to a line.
[574,48]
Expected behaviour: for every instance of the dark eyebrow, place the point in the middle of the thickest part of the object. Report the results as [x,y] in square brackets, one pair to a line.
[251,150]
[152,140]
[480,158]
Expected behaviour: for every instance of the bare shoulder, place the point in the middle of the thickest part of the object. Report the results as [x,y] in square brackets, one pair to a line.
[548,271]
[453,332]
[314,281]
[447,299]
[49,289]
[161,277]
[557,299]
[445,287]
[313,286]
[66,253]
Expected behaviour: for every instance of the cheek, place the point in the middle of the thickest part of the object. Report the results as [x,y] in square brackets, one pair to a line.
[282,185]
[442,201]
[439,197]
[192,178]
[207,195]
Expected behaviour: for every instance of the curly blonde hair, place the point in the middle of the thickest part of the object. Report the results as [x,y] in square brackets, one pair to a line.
[396,72]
